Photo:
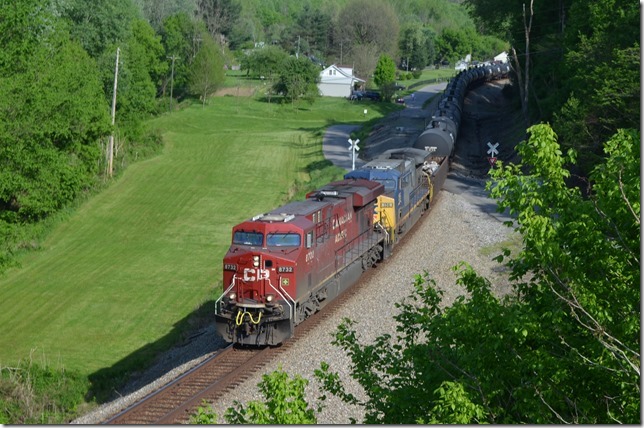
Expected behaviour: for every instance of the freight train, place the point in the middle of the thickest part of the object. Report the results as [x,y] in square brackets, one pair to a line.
[285,265]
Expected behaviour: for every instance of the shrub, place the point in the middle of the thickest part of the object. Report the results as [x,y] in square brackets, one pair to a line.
[35,394]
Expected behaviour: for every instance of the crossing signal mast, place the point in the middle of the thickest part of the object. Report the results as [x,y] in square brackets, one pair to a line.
[353,147]
[492,152]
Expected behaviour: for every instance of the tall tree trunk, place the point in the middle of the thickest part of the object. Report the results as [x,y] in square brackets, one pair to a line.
[524,77]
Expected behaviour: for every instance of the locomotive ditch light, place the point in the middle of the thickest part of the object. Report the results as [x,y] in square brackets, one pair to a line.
[256,261]
[232,296]
[269,298]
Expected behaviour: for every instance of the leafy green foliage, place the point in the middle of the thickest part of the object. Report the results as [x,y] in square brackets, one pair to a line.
[368,23]
[266,62]
[298,80]
[178,35]
[584,67]
[414,47]
[35,394]
[205,415]
[563,348]
[99,24]
[219,15]
[601,91]
[285,403]
[454,44]
[207,72]
[385,71]
[51,115]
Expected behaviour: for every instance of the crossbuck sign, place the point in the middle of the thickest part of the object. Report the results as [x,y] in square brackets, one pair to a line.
[353,146]
[492,152]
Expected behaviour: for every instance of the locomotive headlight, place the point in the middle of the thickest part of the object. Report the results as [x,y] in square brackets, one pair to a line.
[256,261]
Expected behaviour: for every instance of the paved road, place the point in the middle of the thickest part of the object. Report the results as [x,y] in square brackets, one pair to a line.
[335,147]
[335,144]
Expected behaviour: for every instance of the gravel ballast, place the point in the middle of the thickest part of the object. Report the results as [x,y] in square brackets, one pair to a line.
[454,231]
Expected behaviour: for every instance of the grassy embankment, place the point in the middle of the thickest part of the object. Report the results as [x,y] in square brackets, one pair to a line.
[124,276]
[131,269]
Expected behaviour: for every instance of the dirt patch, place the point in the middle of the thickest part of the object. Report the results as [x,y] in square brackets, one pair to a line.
[238,91]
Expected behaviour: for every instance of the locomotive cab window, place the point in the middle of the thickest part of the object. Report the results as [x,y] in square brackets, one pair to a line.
[254,239]
[390,185]
[283,240]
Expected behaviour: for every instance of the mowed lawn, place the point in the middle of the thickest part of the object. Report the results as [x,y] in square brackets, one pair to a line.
[145,253]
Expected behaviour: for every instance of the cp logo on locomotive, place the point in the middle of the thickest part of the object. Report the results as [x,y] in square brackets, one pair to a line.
[251,274]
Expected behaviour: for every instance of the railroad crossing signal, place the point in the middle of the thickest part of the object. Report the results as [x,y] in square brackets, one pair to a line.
[353,146]
[493,151]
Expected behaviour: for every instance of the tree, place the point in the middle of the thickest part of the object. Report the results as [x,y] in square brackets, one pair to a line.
[179,34]
[454,44]
[563,349]
[52,115]
[157,11]
[364,23]
[219,15]
[601,89]
[385,75]
[314,26]
[412,47]
[100,24]
[207,71]
[385,71]
[266,61]
[298,80]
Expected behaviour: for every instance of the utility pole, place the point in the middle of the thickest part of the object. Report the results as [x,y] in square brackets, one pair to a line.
[173,57]
[110,147]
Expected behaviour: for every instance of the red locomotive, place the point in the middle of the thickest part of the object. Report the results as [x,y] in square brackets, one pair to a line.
[285,265]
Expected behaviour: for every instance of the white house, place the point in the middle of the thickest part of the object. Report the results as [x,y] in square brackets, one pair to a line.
[337,81]
[503,57]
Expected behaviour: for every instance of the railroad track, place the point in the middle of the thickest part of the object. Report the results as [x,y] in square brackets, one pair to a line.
[174,402]
[214,377]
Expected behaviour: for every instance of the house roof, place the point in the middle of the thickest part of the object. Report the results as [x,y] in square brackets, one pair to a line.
[334,73]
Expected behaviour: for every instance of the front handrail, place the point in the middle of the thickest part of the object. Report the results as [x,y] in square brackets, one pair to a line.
[217,305]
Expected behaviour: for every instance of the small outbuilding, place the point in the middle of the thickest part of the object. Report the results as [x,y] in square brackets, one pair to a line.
[338,81]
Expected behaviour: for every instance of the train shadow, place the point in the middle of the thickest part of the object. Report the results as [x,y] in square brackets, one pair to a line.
[190,338]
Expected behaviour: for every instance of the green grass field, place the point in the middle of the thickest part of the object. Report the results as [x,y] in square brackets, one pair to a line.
[116,282]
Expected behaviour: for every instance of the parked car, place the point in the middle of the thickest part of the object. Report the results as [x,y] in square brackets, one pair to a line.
[400,100]
[399,87]
[372,95]
[356,95]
